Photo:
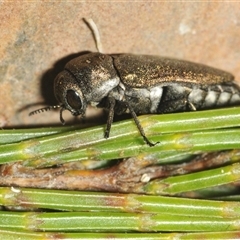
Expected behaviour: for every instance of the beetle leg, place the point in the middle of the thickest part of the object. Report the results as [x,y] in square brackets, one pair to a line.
[112,103]
[140,128]
[191,106]
[61,117]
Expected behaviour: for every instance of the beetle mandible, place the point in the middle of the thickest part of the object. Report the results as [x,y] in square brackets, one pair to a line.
[140,84]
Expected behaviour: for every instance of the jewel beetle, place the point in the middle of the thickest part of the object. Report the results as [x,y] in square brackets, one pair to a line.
[140,84]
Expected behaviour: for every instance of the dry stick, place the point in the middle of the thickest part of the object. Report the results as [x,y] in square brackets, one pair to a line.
[129,175]
[93,27]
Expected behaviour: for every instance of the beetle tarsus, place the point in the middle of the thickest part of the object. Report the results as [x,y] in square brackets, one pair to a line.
[149,143]
[106,134]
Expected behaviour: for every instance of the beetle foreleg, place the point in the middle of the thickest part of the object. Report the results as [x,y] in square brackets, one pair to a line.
[112,103]
[61,117]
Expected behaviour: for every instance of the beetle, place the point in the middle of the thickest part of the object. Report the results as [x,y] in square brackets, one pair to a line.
[140,84]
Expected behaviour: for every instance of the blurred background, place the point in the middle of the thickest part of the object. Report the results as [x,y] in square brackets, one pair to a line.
[38,38]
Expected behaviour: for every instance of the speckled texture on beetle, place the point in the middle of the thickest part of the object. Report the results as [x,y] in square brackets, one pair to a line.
[141,84]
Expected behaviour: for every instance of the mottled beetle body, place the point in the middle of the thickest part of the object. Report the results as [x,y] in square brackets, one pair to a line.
[141,84]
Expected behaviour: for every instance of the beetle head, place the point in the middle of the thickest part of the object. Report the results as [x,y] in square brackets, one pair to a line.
[69,94]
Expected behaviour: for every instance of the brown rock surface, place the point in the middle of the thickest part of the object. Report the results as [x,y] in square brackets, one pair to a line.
[37,37]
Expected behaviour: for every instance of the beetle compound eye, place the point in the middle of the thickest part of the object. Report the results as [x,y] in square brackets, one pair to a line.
[73,100]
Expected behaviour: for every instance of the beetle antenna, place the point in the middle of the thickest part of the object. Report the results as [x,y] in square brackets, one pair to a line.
[45,109]
[93,27]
